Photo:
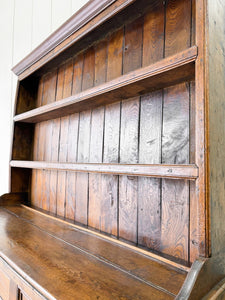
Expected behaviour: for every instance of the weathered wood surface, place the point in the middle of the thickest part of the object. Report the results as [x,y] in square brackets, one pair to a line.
[82,265]
[174,69]
[101,118]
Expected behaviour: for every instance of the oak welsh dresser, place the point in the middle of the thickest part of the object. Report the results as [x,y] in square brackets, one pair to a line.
[118,157]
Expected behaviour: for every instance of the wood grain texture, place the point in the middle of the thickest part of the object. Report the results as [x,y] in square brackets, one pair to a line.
[49,92]
[71,157]
[149,195]
[153,34]
[175,141]
[63,142]
[82,190]
[128,187]
[55,142]
[142,266]
[93,276]
[109,212]
[96,141]
[95,180]
[170,171]
[132,58]
[167,72]
[149,202]
[34,200]
[175,149]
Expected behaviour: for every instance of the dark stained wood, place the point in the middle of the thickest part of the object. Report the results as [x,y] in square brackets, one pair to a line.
[56,125]
[132,46]
[82,190]
[54,158]
[34,199]
[71,157]
[203,83]
[63,142]
[178,26]
[13,199]
[26,96]
[138,264]
[77,73]
[172,70]
[22,139]
[98,277]
[153,35]
[48,96]
[149,196]
[128,187]
[123,111]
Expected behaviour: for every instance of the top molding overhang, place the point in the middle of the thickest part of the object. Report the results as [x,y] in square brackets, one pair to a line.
[90,10]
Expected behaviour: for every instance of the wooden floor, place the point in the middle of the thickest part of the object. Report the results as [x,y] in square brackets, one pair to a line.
[70,263]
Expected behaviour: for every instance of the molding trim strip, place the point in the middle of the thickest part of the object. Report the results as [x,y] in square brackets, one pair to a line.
[86,13]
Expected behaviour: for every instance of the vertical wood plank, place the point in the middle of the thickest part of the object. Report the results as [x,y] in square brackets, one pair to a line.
[153,34]
[55,142]
[133,39]
[109,209]
[48,97]
[71,157]
[149,196]
[73,140]
[175,140]
[63,144]
[96,141]
[77,73]
[175,150]
[35,173]
[128,185]
[149,202]
[54,158]
[132,59]
[178,26]
[82,189]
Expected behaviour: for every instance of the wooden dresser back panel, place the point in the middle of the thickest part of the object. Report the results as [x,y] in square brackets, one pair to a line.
[150,129]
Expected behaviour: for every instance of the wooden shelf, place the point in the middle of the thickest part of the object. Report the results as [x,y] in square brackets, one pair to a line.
[189,172]
[166,72]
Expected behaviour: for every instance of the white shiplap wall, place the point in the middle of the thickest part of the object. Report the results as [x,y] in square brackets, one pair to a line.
[24,25]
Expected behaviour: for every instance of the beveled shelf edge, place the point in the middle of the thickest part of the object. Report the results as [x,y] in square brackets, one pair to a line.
[166,72]
[149,254]
[189,172]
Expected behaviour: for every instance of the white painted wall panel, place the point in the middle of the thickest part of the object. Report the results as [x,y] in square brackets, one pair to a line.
[61,11]
[22,29]
[6,55]
[42,21]
[24,25]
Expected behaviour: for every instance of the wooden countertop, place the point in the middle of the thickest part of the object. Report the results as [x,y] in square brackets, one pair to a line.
[71,263]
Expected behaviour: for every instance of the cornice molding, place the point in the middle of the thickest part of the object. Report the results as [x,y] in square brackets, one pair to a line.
[78,20]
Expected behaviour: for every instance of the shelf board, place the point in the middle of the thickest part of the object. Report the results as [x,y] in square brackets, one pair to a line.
[189,172]
[166,72]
